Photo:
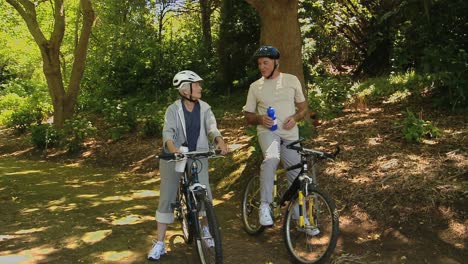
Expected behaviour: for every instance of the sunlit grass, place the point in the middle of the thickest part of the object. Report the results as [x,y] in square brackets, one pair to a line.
[125,255]
[96,236]
[30,231]
[25,172]
[80,207]
[132,220]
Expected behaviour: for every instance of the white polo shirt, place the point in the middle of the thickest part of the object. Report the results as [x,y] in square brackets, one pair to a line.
[280,93]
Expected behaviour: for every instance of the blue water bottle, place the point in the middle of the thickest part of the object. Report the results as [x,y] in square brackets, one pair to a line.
[271,114]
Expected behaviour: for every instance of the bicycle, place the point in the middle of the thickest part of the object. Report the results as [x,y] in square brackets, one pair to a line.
[310,222]
[194,209]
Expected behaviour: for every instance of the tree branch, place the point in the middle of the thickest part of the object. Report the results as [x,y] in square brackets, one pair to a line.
[27,11]
[81,49]
[59,25]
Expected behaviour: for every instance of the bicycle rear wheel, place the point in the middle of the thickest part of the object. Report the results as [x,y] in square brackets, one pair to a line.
[251,206]
[208,244]
[303,243]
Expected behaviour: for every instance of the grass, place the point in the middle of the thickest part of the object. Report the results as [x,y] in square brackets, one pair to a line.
[65,213]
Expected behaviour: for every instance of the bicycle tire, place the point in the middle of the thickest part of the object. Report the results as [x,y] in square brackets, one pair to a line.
[304,247]
[206,253]
[183,215]
[251,206]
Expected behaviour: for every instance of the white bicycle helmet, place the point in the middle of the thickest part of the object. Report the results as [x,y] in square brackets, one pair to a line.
[185,77]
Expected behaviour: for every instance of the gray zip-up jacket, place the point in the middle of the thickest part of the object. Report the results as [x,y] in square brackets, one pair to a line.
[175,130]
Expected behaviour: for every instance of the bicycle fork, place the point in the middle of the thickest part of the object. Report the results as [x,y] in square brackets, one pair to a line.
[310,203]
[275,204]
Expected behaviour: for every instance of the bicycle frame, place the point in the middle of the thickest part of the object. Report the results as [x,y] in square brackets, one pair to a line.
[194,208]
[311,224]
[300,185]
[193,189]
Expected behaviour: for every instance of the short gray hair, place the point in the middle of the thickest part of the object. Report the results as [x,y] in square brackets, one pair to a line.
[184,86]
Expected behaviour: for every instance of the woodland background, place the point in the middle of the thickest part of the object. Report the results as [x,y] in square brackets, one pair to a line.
[86,82]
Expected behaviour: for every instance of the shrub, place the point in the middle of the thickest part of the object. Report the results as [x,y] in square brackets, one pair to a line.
[9,103]
[22,119]
[328,95]
[44,136]
[414,129]
[152,125]
[75,131]
[119,117]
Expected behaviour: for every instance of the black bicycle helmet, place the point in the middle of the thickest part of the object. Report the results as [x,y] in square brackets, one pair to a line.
[267,52]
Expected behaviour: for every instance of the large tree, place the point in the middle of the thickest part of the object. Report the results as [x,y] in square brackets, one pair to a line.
[280,28]
[63,99]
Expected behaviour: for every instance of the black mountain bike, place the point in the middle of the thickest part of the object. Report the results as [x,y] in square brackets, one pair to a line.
[310,226]
[194,209]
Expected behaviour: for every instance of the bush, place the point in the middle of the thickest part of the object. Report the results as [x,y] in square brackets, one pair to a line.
[328,95]
[44,136]
[119,116]
[414,129]
[22,119]
[23,102]
[152,125]
[75,131]
[9,103]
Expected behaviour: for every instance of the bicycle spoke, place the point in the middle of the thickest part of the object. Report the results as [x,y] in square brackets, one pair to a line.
[208,242]
[317,238]
[251,206]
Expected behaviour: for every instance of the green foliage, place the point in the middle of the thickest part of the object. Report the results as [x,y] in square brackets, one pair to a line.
[19,57]
[328,93]
[152,125]
[449,73]
[414,129]
[75,131]
[22,119]
[433,41]
[239,33]
[305,130]
[22,103]
[9,103]
[390,86]
[44,136]
[120,118]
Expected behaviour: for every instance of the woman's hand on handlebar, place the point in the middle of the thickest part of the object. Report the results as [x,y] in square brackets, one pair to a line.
[171,147]
[221,145]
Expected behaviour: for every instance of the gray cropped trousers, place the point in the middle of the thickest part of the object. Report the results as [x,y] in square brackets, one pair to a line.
[274,149]
[169,185]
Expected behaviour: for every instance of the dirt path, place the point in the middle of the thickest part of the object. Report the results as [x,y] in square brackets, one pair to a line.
[54,213]
[398,202]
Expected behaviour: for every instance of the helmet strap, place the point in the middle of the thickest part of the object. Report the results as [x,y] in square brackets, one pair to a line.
[273,71]
[189,98]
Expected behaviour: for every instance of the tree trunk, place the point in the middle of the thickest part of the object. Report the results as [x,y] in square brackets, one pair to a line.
[206,25]
[280,28]
[223,52]
[63,101]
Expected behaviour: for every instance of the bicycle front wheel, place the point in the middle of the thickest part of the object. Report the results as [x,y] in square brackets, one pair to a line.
[208,241]
[316,239]
[183,215]
[251,206]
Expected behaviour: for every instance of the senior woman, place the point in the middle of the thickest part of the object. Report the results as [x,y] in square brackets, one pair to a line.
[188,122]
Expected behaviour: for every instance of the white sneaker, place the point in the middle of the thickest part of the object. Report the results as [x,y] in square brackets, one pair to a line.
[157,251]
[308,229]
[207,237]
[265,215]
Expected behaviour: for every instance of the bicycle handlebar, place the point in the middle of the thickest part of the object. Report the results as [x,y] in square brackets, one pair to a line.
[190,154]
[314,152]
